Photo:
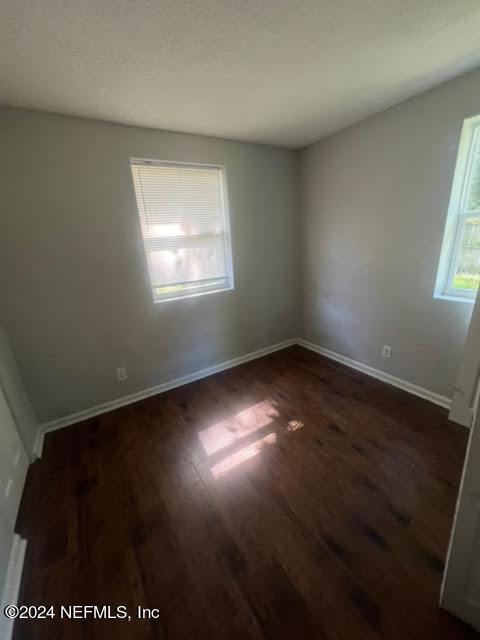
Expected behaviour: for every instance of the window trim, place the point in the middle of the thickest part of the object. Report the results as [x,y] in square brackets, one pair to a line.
[227,235]
[456,217]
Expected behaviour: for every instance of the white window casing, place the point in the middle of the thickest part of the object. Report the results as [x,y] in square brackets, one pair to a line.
[184,217]
[459,266]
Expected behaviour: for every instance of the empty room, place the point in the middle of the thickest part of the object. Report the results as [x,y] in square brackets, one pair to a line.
[239,336]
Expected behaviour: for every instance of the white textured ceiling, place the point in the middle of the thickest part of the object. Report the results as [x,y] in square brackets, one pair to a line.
[274,71]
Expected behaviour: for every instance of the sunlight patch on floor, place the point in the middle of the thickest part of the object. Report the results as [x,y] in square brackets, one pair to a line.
[227,432]
[242,455]
[294,425]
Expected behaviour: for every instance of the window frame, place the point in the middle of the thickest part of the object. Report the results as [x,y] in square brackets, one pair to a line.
[191,292]
[457,216]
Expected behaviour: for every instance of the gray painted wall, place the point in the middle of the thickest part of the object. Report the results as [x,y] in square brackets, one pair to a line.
[375,204]
[76,299]
[77,303]
[13,388]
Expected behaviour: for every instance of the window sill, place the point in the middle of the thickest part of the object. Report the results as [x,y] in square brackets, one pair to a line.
[192,295]
[453,298]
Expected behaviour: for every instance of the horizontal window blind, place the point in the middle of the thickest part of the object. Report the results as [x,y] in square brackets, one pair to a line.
[184,224]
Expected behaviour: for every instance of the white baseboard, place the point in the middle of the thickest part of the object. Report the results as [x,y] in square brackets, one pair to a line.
[461,410]
[12,584]
[146,393]
[203,373]
[380,375]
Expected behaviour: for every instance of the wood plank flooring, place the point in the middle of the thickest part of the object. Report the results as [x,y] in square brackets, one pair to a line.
[290,497]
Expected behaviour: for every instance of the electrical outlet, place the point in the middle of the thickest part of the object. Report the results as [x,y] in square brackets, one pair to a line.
[121,373]
[386,351]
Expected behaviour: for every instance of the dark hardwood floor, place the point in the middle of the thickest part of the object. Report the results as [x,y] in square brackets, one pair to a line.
[290,497]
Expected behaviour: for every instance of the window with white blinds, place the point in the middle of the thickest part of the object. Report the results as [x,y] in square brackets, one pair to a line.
[184,218]
[458,275]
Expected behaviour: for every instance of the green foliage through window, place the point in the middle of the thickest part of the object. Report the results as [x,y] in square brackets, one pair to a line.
[473,200]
